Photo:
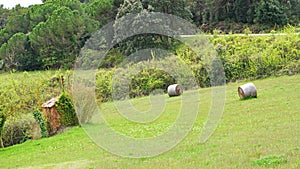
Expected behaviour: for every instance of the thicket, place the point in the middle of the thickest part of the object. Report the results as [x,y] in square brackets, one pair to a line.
[21,96]
[242,57]
[20,129]
[252,57]
[143,78]
[66,110]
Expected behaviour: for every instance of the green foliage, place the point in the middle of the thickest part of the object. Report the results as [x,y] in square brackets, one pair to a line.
[252,57]
[18,20]
[100,10]
[178,8]
[4,36]
[148,80]
[136,23]
[15,54]
[142,78]
[55,40]
[25,92]
[270,12]
[3,16]
[73,5]
[271,160]
[104,84]
[112,59]
[20,129]
[38,116]
[58,29]
[65,108]
[40,13]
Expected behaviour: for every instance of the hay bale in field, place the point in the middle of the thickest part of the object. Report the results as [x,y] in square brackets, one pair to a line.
[175,90]
[247,90]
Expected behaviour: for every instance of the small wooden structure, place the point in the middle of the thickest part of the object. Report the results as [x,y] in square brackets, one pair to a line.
[52,116]
[175,90]
[247,90]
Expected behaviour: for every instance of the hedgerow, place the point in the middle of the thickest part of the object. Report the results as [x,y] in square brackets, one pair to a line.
[242,57]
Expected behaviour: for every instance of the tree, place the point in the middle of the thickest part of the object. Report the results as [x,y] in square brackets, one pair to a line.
[101,10]
[58,40]
[40,13]
[17,21]
[4,13]
[71,4]
[270,12]
[291,8]
[14,49]
[175,7]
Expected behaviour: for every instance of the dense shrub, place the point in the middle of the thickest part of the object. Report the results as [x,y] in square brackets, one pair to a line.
[148,80]
[252,57]
[242,57]
[66,110]
[142,78]
[104,84]
[18,130]
[270,12]
[25,92]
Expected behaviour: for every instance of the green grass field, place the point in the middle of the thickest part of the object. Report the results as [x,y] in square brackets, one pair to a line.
[254,133]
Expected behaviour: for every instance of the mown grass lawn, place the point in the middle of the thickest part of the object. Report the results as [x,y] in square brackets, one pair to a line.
[254,133]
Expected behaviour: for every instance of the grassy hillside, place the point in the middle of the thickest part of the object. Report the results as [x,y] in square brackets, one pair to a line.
[255,133]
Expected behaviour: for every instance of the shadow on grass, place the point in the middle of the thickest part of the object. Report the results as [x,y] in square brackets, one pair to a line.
[248,98]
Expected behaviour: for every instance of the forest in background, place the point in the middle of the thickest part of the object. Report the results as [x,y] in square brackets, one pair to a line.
[50,35]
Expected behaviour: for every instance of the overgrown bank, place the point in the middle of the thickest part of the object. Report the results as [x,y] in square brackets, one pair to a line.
[242,56]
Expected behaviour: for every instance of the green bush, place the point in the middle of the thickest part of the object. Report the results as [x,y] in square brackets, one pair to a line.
[242,56]
[291,69]
[66,110]
[104,84]
[18,130]
[142,78]
[270,12]
[148,80]
[25,92]
[252,57]
[38,116]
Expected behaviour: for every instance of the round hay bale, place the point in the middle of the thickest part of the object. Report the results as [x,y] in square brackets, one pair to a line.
[175,90]
[247,90]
